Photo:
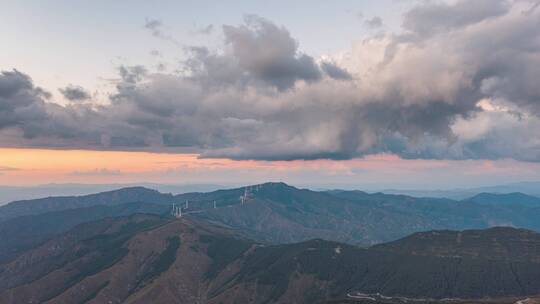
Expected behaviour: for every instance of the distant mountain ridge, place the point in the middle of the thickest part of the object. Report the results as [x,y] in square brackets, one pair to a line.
[18,193]
[115,197]
[514,198]
[528,188]
[150,259]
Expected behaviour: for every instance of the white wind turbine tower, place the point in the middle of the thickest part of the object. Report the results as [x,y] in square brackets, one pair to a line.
[177,211]
[243,197]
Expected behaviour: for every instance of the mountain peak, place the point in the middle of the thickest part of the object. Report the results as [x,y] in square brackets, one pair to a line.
[275,185]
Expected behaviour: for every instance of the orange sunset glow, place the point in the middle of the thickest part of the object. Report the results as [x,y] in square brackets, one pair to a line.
[40,166]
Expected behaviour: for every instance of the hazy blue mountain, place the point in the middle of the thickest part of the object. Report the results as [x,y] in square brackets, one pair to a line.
[9,194]
[510,199]
[116,197]
[529,188]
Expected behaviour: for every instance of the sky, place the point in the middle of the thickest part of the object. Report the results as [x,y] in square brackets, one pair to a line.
[389,94]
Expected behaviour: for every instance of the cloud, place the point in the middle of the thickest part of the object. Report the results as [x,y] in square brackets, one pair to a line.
[431,17]
[97,172]
[269,53]
[20,100]
[464,89]
[7,169]
[132,74]
[207,30]
[334,71]
[156,28]
[75,93]
[374,23]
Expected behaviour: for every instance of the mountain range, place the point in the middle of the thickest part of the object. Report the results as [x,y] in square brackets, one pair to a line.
[269,243]
[278,213]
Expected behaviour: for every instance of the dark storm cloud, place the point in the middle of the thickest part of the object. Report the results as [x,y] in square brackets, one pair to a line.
[466,90]
[75,93]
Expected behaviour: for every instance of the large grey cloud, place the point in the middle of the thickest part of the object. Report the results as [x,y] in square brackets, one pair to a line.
[269,53]
[465,89]
[258,53]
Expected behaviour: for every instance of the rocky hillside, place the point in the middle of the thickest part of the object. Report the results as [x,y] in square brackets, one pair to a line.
[499,243]
[151,259]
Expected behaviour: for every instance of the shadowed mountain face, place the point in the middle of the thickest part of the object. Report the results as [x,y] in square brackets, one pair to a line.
[25,232]
[150,259]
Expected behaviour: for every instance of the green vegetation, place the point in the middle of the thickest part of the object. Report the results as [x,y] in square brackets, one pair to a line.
[223,250]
